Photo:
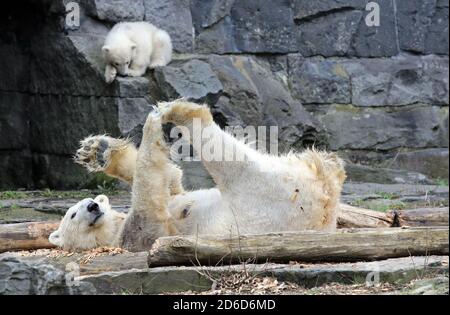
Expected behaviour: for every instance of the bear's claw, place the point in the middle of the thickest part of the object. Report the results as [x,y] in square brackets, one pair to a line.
[94,153]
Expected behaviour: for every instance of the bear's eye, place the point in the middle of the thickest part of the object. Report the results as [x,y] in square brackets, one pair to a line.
[73,216]
[117,64]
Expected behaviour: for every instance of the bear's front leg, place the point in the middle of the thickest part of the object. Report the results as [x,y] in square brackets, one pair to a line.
[110,74]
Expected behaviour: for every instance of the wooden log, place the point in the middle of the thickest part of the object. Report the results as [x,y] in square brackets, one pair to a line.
[30,236]
[26,236]
[345,245]
[354,217]
[423,217]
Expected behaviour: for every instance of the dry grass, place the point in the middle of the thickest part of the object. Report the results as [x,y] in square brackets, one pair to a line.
[85,258]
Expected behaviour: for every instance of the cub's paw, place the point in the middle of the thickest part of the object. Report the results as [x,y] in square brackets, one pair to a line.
[110,74]
[157,63]
[96,152]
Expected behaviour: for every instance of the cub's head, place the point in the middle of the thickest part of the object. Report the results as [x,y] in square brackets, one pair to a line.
[81,219]
[120,57]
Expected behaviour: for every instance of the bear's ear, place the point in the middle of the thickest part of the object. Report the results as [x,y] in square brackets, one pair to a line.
[55,239]
[102,199]
[106,49]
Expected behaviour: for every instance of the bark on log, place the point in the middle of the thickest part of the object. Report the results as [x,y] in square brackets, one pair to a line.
[26,236]
[345,245]
[353,217]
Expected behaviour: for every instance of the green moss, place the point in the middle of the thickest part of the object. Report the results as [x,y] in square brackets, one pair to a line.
[106,188]
[387,196]
[103,184]
[15,214]
[4,195]
[54,194]
[442,182]
[347,108]
[386,208]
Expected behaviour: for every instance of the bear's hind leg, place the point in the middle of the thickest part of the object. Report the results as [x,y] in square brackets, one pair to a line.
[149,217]
[115,157]
[162,50]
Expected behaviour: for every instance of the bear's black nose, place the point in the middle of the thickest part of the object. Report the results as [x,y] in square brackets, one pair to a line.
[93,207]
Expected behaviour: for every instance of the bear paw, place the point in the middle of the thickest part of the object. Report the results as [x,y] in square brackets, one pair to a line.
[152,125]
[110,74]
[182,112]
[95,152]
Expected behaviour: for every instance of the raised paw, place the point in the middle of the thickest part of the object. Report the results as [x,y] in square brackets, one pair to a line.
[181,112]
[153,123]
[95,152]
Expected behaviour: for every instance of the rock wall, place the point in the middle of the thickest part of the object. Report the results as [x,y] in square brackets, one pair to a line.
[378,95]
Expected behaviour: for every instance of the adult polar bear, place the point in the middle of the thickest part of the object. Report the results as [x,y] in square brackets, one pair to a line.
[262,194]
[132,47]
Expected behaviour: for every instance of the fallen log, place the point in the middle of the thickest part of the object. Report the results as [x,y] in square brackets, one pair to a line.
[346,245]
[26,236]
[30,236]
[423,217]
[354,217]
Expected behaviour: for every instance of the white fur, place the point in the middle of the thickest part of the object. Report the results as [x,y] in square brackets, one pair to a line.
[77,231]
[257,196]
[132,47]
[263,193]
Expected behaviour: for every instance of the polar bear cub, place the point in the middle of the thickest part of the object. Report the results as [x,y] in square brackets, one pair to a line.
[132,47]
[91,223]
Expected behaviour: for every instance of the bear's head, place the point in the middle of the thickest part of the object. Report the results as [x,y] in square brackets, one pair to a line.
[80,220]
[120,57]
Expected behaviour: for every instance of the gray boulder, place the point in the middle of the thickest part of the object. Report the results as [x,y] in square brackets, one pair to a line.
[14,126]
[115,10]
[15,169]
[77,119]
[432,162]
[371,82]
[20,277]
[437,39]
[366,174]
[244,26]
[328,35]
[356,128]
[175,18]
[207,13]
[319,81]
[400,81]
[261,26]
[253,96]
[193,80]
[308,10]
[423,26]
[377,41]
